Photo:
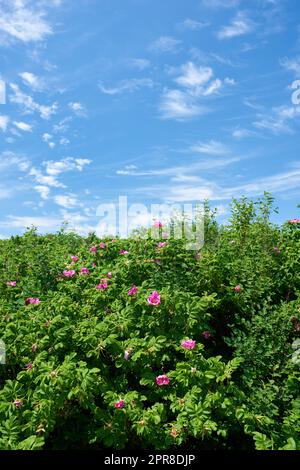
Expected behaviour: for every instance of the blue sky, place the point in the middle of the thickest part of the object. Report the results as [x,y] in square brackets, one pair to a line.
[162,101]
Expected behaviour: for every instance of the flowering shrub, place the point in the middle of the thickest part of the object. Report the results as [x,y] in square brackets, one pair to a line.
[188,351]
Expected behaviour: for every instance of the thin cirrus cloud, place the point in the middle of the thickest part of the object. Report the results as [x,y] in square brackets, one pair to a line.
[280,121]
[129,85]
[239,26]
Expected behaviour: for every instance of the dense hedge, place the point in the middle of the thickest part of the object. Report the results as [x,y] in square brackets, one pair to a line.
[153,346]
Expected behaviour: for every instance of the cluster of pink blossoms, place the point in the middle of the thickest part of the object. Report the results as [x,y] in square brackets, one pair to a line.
[102,245]
[237,288]
[11,283]
[154,298]
[32,300]
[74,258]
[69,272]
[132,291]
[123,252]
[102,286]
[294,221]
[120,404]
[93,249]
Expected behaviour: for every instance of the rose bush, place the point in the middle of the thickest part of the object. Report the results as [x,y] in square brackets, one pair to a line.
[141,343]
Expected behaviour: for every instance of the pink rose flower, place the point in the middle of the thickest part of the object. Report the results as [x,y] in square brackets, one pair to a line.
[109,274]
[162,380]
[93,265]
[32,300]
[120,404]
[294,221]
[74,258]
[18,403]
[93,249]
[188,344]
[29,366]
[102,245]
[85,271]
[69,272]
[237,288]
[102,286]
[157,224]
[123,252]
[154,298]
[11,283]
[132,291]
[161,244]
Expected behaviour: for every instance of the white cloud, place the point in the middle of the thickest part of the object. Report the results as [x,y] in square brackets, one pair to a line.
[292,65]
[67,201]
[178,105]
[210,148]
[23,126]
[193,24]
[4,120]
[239,26]
[140,64]
[77,108]
[239,133]
[193,76]
[279,120]
[29,106]
[130,86]
[21,22]
[44,191]
[165,44]
[55,168]
[31,80]
[45,180]
[23,222]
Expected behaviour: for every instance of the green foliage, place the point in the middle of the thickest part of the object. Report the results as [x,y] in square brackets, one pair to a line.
[81,351]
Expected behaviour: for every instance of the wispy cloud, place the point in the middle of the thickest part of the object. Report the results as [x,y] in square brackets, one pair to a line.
[77,108]
[23,22]
[193,25]
[33,81]
[280,119]
[68,201]
[239,26]
[139,63]
[291,65]
[29,106]
[129,85]
[197,83]
[210,148]
[178,105]
[165,44]
[23,126]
